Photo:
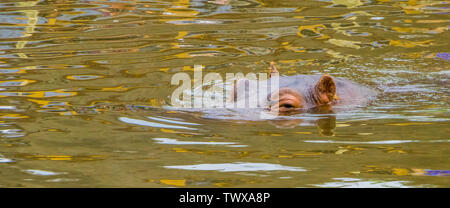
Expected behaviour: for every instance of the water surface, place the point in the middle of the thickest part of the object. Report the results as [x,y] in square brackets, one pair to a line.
[85,93]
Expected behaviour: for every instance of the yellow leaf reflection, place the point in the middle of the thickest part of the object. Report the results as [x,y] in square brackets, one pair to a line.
[413,55]
[48,103]
[302,132]
[348,3]
[365,134]
[179,8]
[16,70]
[180,13]
[410,44]
[181,34]
[393,150]
[285,156]
[115,89]
[308,154]
[54,130]
[222,184]
[168,131]
[400,171]
[155,102]
[408,124]
[180,150]
[342,125]
[345,43]
[51,21]
[12,116]
[183,55]
[419,30]
[173,182]
[336,54]
[432,21]
[64,157]
[68,113]
[269,134]
[164,69]
[188,68]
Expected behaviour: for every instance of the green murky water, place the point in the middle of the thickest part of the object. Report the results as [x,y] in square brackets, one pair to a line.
[85,85]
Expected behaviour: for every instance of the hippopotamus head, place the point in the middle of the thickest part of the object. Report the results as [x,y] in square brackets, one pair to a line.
[301,93]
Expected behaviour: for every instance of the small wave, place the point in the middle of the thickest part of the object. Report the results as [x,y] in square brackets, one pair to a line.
[176,142]
[152,124]
[237,167]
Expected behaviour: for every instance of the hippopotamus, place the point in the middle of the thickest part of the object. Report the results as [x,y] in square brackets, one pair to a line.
[302,93]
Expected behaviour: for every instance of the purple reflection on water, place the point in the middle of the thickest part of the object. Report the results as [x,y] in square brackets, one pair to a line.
[443,55]
[437,172]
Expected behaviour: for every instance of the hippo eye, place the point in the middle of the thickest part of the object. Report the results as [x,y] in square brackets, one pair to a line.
[287,105]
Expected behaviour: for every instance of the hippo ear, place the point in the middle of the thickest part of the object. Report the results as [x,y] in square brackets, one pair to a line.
[326,88]
[326,84]
[273,71]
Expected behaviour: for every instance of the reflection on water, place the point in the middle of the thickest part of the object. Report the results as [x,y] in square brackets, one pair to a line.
[5,160]
[358,183]
[373,142]
[236,167]
[85,93]
[325,125]
[41,172]
[176,142]
[152,124]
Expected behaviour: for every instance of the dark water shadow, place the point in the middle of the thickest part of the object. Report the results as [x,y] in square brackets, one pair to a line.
[326,123]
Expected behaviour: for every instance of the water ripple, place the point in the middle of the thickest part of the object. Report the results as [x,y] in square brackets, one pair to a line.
[176,142]
[152,124]
[237,167]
